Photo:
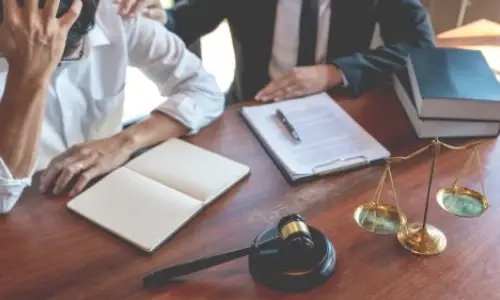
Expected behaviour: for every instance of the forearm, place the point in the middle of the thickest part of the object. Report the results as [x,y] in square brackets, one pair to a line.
[366,70]
[156,129]
[21,116]
[404,26]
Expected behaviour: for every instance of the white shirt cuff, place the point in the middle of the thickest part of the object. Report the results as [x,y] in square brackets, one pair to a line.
[192,111]
[10,187]
[345,83]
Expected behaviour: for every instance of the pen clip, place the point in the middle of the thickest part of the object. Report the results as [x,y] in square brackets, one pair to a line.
[342,164]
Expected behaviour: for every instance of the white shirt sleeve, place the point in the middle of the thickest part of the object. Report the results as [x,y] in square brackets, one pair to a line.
[10,188]
[194,98]
[344,83]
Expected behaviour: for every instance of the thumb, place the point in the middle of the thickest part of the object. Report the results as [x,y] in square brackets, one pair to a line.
[156,14]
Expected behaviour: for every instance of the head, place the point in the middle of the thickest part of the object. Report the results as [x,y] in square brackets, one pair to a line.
[80,28]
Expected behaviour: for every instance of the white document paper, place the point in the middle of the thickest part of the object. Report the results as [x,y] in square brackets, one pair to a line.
[330,139]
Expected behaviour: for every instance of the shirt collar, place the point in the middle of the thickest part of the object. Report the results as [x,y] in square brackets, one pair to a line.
[96,38]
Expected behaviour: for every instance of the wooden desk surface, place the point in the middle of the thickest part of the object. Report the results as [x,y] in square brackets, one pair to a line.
[48,253]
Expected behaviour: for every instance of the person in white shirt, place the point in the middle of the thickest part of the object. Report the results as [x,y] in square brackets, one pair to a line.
[62,80]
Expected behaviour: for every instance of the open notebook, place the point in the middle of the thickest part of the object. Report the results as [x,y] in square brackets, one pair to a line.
[331,141]
[155,194]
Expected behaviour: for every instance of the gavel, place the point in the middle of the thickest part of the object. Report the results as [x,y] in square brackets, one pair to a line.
[290,257]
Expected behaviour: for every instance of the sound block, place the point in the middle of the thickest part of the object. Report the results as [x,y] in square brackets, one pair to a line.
[272,269]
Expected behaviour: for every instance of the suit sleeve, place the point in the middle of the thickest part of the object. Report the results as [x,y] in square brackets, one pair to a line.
[191,19]
[404,25]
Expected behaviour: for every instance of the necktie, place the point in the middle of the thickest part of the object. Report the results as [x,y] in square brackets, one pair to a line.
[308,32]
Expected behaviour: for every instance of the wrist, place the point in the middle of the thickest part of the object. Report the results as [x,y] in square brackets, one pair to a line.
[26,77]
[128,142]
[157,128]
[333,75]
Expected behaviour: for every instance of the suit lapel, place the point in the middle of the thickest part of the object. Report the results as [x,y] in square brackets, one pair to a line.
[334,37]
[266,21]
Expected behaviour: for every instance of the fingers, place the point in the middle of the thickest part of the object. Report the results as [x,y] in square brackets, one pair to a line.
[264,94]
[156,14]
[10,9]
[292,91]
[126,5]
[71,15]
[131,8]
[276,88]
[51,171]
[84,179]
[50,8]
[69,172]
[63,168]
[31,7]
[139,6]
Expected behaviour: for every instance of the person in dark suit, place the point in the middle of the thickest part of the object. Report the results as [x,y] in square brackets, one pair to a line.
[290,48]
[195,46]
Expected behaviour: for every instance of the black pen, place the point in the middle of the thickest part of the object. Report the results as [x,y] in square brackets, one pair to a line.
[287,125]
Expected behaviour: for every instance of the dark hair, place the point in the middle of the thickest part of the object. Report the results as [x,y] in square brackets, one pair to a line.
[82,26]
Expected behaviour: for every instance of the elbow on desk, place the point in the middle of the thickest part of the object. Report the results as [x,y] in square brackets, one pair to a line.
[194,111]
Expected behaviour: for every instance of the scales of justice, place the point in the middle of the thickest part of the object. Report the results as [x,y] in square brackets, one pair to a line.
[422,238]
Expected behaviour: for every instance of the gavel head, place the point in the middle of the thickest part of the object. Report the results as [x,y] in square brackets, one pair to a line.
[298,257]
[295,235]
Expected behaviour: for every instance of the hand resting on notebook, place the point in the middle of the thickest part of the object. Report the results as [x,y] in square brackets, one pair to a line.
[92,159]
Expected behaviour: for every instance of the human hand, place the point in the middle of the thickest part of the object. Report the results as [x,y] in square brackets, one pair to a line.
[33,39]
[83,163]
[152,9]
[301,81]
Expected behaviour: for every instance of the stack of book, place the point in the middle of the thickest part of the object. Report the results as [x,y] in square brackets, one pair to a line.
[450,93]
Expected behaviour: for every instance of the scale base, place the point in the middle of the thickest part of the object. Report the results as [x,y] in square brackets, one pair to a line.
[422,241]
[270,268]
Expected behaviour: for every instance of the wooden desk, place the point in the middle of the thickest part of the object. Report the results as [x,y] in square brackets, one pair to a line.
[48,253]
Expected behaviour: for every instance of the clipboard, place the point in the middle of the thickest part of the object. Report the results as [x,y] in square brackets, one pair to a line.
[319,171]
[331,141]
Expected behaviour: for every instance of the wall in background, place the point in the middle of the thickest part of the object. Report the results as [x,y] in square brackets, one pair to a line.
[444,13]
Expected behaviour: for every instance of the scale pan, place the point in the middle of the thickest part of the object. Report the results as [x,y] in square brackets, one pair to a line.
[462,202]
[379,218]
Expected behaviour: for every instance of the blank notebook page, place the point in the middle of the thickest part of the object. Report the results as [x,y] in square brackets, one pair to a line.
[189,169]
[135,208]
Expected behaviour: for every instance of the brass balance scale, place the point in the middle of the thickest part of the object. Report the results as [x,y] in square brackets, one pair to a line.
[423,238]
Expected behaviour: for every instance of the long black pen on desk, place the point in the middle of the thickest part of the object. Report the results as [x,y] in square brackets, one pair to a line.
[289,127]
[164,275]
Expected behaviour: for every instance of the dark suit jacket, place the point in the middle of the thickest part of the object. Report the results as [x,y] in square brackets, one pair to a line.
[404,24]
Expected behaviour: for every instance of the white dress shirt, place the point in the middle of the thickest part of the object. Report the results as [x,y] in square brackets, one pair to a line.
[85,99]
[286,37]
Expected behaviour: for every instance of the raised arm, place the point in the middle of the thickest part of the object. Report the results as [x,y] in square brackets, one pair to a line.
[193,100]
[189,19]
[193,97]
[33,47]
[404,25]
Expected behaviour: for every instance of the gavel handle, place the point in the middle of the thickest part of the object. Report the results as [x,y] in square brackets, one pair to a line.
[164,275]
